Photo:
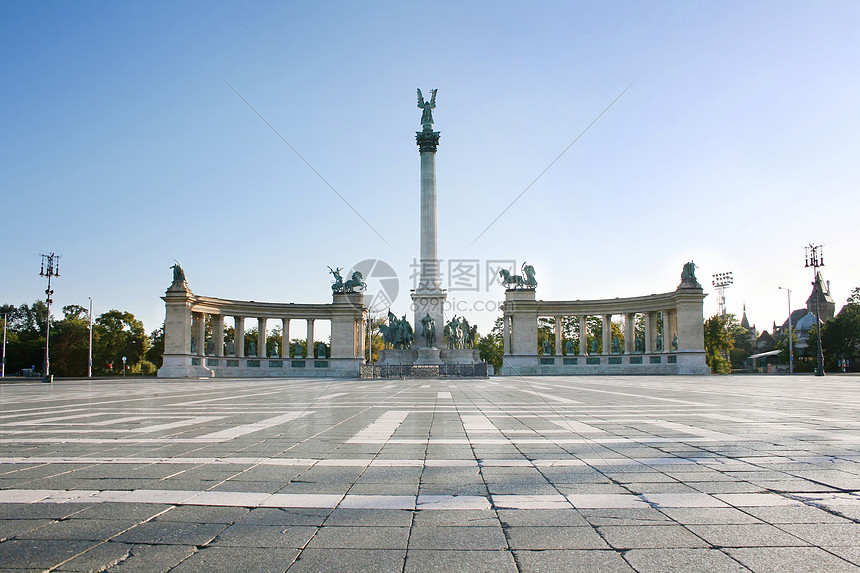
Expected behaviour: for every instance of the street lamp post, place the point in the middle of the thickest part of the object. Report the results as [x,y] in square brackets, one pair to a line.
[90,359]
[50,268]
[790,344]
[814,258]
[3,364]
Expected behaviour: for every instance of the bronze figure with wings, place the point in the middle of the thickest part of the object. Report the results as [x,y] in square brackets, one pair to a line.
[427,106]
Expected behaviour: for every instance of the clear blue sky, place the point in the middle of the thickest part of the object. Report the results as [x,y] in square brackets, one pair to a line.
[123,147]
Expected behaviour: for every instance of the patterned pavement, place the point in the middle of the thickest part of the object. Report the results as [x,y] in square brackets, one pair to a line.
[753,473]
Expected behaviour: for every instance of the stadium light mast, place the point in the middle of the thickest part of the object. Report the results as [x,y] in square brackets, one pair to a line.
[814,257]
[721,282]
[50,268]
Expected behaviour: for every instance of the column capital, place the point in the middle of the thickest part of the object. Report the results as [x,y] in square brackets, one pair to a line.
[427,140]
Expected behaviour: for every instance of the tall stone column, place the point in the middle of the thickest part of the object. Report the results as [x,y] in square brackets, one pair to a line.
[607,334]
[310,342]
[629,333]
[218,333]
[506,342]
[428,298]
[285,338]
[239,336]
[198,326]
[261,338]
[650,332]
[558,336]
[583,335]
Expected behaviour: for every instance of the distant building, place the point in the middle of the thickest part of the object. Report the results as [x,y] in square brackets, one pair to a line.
[802,320]
[821,292]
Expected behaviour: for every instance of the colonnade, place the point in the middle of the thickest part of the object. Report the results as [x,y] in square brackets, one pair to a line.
[188,353]
[666,342]
[198,331]
[676,347]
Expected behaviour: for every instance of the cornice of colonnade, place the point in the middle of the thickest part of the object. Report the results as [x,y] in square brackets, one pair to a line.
[343,305]
[637,304]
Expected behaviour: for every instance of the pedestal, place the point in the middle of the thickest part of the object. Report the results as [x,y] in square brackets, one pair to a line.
[431,356]
[432,303]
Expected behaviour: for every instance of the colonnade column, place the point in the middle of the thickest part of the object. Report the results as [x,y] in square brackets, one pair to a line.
[629,333]
[239,336]
[198,328]
[218,334]
[583,336]
[650,327]
[506,341]
[558,336]
[668,330]
[261,338]
[285,338]
[607,334]
[310,342]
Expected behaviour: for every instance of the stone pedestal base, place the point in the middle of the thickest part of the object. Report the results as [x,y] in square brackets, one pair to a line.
[397,357]
[432,356]
[432,303]
[461,356]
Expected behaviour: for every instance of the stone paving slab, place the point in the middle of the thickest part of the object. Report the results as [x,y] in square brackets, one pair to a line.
[754,473]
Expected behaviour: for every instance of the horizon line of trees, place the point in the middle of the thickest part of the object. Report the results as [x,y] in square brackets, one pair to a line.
[116,334]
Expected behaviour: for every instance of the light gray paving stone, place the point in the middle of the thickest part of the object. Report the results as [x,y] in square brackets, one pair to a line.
[747,535]
[604,561]
[128,558]
[791,559]
[555,537]
[448,561]
[233,559]
[457,538]
[360,537]
[661,560]
[650,537]
[349,560]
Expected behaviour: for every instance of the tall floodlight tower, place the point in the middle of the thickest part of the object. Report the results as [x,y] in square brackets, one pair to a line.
[428,297]
[814,257]
[50,268]
[721,282]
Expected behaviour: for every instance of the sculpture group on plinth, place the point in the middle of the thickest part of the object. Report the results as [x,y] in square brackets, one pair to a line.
[397,334]
[339,286]
[460,334]
[525,281]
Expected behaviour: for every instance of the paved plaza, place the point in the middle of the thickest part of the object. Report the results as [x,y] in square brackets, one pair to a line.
[753,473]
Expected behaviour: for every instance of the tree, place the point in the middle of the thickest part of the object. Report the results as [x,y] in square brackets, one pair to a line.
[70,342]
[840,337]
[492,345]
[718,343]
[118,334]
[155,354]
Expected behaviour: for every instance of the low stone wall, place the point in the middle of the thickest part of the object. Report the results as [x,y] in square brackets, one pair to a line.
[692,363]
[190,366]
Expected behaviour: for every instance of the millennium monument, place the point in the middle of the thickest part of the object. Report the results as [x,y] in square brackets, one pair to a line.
[662,333]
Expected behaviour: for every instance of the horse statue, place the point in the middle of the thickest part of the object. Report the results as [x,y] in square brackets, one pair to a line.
[337,285]
[397,334]
[354,282]
[454,333]
[511,281]
[529,272]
